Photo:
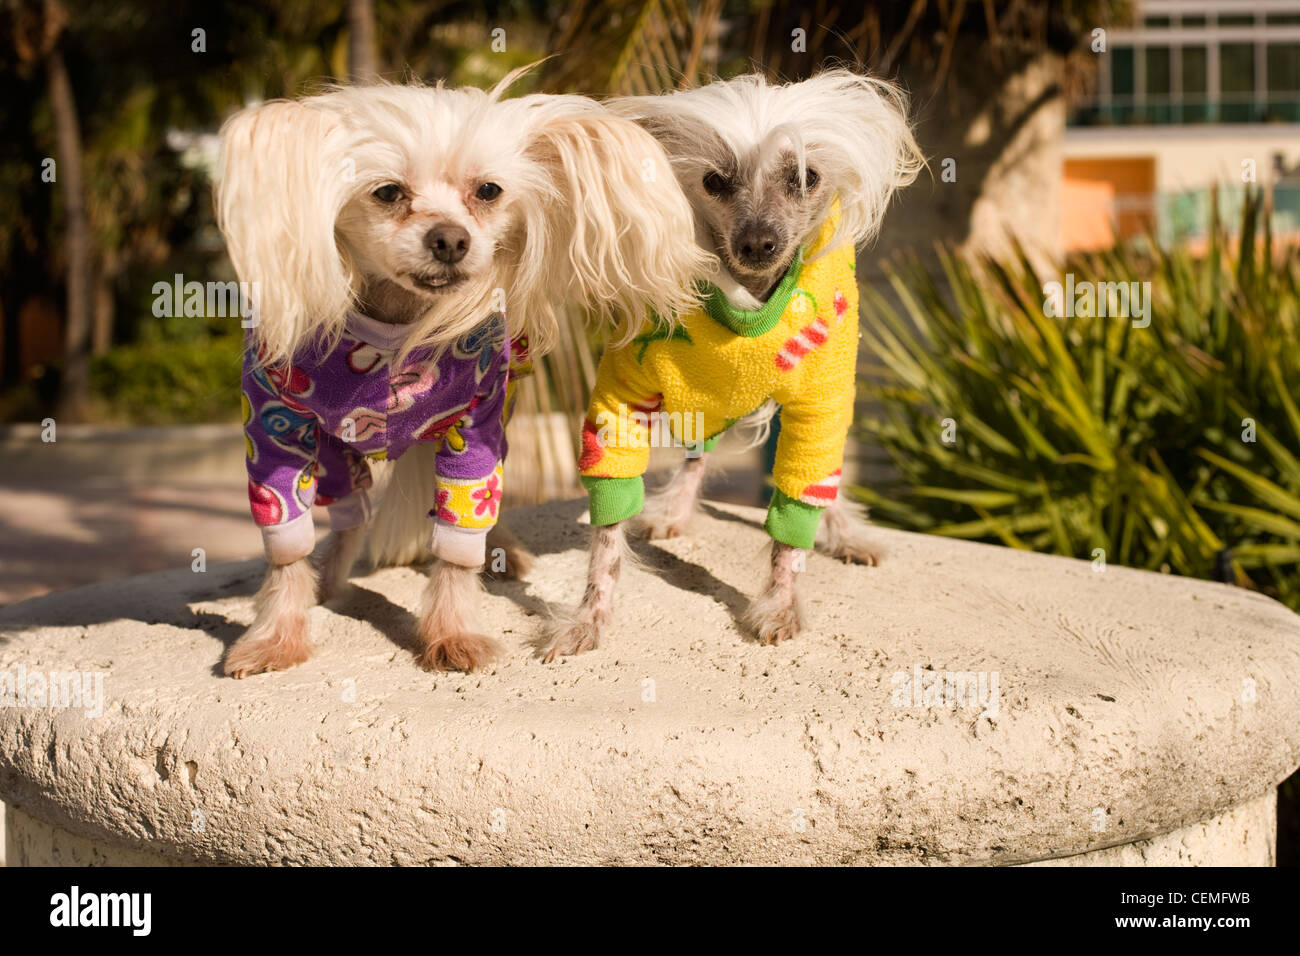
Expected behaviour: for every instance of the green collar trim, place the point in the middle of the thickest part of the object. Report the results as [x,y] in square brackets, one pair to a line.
[753,323]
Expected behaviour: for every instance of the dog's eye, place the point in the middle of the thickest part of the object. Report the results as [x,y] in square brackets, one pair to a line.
[388,193]
[488,192]
[715,184]
[811,179]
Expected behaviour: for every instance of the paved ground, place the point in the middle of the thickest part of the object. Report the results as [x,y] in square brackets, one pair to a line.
[102,504]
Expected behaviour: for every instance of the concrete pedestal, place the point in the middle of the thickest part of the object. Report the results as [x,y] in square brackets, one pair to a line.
[960,704]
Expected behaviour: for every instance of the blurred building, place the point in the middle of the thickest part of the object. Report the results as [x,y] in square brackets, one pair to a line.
[1197,93]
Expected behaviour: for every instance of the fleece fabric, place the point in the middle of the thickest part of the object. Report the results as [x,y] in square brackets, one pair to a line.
[696,377]
[311,427]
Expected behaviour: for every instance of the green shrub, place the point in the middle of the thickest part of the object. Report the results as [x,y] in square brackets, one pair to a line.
[1084,433]
[165,383]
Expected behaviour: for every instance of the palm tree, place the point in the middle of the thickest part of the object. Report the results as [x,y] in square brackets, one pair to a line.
[988,80]
[38,31]
[363,64]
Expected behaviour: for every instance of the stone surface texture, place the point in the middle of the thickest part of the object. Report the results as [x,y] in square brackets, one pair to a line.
[1145,716]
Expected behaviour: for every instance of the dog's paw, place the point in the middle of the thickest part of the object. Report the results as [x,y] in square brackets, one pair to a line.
[656,527]
[572,637]
[257,653]
[857,552]
[773,618]
[332,590]
[460,652]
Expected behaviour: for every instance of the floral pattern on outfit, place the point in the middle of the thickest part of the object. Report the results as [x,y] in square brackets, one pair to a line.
[472,503]
[310,428]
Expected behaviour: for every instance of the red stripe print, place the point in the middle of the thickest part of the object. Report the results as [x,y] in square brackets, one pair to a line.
[822,492]
[592,450]
[809,338]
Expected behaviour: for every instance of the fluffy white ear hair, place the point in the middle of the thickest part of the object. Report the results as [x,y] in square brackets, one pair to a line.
[615,234]
[859,128]
[853,128]
[281,184]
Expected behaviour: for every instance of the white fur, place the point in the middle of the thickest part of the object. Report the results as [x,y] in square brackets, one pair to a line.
[584,215]
[852,128]
[588,214]
[399,532]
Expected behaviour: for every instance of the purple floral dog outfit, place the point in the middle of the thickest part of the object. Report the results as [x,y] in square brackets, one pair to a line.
[311,426]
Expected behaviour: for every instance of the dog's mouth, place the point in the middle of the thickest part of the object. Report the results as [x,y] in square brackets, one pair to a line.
[438,283]
[776,266]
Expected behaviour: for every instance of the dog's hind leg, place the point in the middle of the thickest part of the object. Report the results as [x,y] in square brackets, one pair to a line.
[278,636]
[774,616]
[341,552]
[582,629]
[846,534]
[668,512]
[518,560]
[448,628]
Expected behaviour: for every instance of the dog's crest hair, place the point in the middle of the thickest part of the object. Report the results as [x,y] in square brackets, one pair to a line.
[852,128]
[599,220]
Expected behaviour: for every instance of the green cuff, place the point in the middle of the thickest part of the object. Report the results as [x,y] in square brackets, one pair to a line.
[712,443]
[613,499]
[792,522]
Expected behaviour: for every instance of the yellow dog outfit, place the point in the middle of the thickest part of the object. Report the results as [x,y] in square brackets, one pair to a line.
[718,364]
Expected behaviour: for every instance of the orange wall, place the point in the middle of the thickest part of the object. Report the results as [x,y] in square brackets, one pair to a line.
[1090,193]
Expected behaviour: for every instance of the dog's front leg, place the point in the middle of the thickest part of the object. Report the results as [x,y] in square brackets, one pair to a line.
[582,630]
[278,636]
[341,552]
[774,616]
[448,628]
[667,513]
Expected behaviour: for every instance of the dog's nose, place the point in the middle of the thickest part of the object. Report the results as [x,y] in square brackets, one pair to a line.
[448,242]
[755,244]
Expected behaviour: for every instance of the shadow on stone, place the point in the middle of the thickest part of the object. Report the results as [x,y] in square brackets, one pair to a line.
[163,597]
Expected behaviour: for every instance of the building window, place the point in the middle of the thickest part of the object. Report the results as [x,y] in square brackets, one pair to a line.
[1121,84]
[1157,84]
[1228,64]
[1283,83]
[1195,108]
[1284,67]
[1237,82]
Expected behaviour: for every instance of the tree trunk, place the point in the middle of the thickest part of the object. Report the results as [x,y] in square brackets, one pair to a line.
[1004,130]
[101,339]
[75,388]
[363,64]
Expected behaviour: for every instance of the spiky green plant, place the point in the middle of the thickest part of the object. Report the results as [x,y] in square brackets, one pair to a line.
[1173,446]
